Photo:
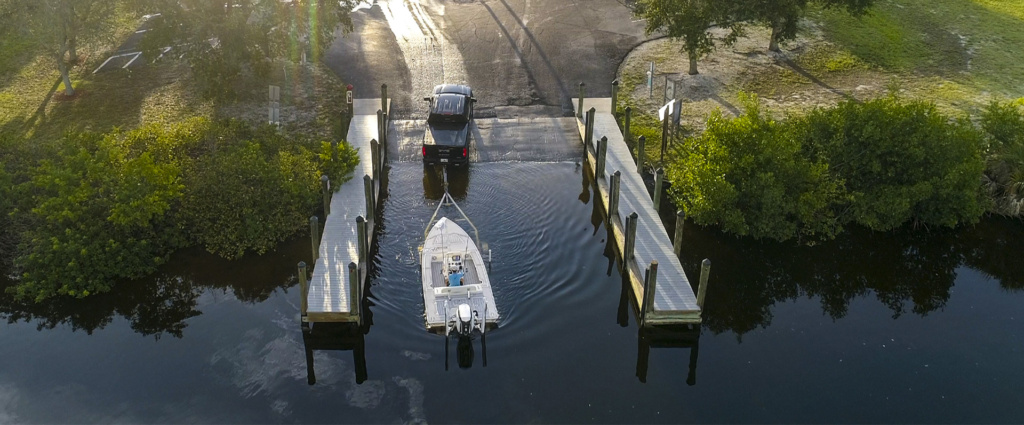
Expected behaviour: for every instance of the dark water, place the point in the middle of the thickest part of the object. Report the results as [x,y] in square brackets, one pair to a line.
[915,327]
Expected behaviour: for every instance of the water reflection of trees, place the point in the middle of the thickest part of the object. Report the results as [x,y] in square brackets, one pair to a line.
[907,271]
[163,303]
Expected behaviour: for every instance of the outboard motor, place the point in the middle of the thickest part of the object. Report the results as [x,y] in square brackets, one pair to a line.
[465,319]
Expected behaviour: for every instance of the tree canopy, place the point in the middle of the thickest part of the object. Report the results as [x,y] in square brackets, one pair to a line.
[224,40]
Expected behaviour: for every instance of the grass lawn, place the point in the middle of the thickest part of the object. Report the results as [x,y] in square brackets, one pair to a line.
[34,110]
[959,54]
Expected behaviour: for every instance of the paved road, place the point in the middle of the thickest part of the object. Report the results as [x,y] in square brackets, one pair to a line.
[523,58]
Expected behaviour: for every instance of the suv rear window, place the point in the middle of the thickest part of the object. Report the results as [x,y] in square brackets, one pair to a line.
[449,108]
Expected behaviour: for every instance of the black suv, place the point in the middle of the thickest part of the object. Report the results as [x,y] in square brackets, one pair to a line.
[446,140]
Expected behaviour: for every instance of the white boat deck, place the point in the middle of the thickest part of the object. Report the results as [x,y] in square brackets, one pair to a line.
[329,298]
[674,299]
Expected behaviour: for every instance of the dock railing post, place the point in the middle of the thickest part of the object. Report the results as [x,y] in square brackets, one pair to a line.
[384,130]
[650,283]
[304,292]
[602,153]
[380,124]
[591,115]
[384,98]
[625,126]
[677,241]
[586,134]
[641,151]
[361,243]
[314,236]
[325,186]
[702,290]
[615,97]
[375,158]
[627,252]
[583,92]
[613,196]
[659,179]
[368,191]
[355,289]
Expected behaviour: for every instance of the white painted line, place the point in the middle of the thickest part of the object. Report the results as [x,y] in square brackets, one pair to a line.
[102,65]
[133,60]
[140,31]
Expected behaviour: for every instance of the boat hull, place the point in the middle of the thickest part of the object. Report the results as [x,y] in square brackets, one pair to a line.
[449,248]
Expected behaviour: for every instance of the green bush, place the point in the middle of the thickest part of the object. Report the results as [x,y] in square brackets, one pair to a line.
[900,161]
[748,175]
[1004,174]
[103,208]
[98,214]
[880,164]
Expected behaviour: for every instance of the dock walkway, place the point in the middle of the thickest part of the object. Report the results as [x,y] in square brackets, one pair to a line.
[674,299]
[332,297]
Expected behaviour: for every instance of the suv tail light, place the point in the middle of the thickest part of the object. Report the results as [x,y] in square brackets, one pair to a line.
[424,151]
[464,152]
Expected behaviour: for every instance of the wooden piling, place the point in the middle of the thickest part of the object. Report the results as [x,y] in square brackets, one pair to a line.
[361,245]
[650,283]
[384,129]
[368,192]
[602,153]
[641,152]
[591,116]
[384,97]
[375,158]
[304,292]
[677,241]
[579,110]
[659,178]
[628,133]
[613,195]
[355,288]
[314,236]
[615,97]
[705,271]
[380,124]
[627,252]
[325,186]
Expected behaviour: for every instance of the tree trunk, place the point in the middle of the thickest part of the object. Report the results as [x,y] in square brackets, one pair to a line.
[73,50]
[65,75]
[773,45]
[693,64]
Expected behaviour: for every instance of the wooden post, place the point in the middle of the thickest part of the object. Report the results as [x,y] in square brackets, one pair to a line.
[659,178]
[613,196]
[591,115]
[579,110]
[368,192]
[627,253]
[586,134]
[677,242]
[325,185]
[375,158]
[361,236]
[380,124]
[384,129]
[314,236]
[664,137]
[355,289]
[650,283]
[625,127]
[702,290]
[615,97]
[384,97]
[641,151]
[304,292]
[602,153]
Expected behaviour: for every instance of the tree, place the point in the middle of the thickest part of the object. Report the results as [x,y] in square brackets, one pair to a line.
[782,16]
[223,41]
[58,25]
[689,21]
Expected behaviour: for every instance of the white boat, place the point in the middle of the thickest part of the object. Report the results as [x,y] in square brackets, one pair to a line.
[457,295]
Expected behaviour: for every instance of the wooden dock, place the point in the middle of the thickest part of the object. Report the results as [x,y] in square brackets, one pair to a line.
[335,289]
[674,301]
